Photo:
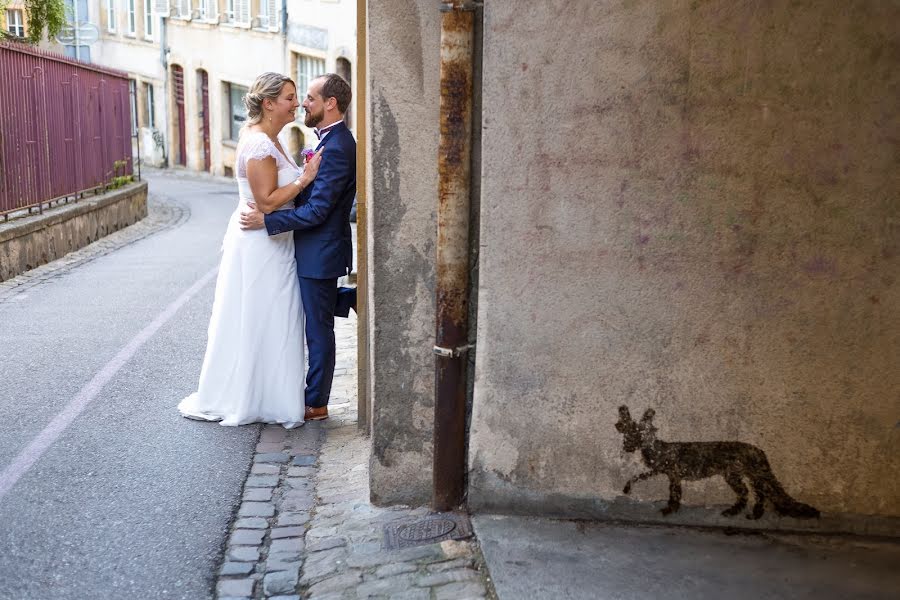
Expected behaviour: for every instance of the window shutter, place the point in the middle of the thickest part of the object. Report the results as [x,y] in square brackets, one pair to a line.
[274,21]
[243,11]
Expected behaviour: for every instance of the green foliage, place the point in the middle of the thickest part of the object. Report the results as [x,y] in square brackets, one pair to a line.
[119,180]
[40,16]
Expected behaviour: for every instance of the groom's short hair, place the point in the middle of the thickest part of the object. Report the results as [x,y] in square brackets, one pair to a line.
[335,86]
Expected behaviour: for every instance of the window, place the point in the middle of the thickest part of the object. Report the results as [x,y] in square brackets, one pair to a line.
[132,94]
[150,121]
[148,19]
[308,68]
[237,113]
[238,11]
[111,16]
[205,10]
[184,9]
[14,22]
[263,14]
[132,18]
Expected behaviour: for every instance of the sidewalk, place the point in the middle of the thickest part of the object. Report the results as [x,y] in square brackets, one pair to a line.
[306,529]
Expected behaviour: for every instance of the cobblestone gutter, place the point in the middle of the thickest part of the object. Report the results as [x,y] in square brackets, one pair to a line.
[306,529]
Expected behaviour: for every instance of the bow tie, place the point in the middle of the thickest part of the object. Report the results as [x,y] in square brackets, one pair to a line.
[320,133]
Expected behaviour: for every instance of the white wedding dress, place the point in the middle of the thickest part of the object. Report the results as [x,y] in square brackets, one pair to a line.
[253,371]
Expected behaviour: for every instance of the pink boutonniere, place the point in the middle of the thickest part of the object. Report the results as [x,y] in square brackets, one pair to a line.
[308,154]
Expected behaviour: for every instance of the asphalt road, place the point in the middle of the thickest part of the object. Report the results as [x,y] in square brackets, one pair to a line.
[130,500]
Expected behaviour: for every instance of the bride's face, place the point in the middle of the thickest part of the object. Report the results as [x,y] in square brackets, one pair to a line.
[284,108]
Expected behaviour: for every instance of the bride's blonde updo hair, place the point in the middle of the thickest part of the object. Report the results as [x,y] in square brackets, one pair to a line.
[267,86]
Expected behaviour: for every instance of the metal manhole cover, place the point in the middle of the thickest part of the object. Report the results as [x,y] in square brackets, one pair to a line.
[427,530]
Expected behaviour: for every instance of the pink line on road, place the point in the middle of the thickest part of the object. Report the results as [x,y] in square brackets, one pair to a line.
[42,441]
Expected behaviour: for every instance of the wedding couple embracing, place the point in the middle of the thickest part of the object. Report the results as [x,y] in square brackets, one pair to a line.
[286,244]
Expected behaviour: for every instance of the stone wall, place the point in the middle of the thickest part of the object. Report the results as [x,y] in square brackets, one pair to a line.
[403,43]
[29,242]
[690,207]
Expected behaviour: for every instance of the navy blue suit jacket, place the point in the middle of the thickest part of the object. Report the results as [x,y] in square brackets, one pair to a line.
[321,219]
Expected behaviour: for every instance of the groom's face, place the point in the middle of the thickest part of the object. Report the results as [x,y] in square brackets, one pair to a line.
[314,104]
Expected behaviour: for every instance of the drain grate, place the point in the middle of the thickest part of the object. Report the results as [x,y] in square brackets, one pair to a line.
[426,530]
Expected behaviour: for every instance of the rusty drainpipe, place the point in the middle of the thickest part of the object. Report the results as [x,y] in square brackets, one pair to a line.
[452,289]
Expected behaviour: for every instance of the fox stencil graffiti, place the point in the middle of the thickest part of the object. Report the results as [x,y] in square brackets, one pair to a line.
[734,461]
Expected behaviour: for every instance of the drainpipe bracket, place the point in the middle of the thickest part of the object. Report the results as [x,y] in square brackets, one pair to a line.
[461,7]
[452,352]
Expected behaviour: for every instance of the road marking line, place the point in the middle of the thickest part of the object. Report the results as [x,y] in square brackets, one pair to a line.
[42,441]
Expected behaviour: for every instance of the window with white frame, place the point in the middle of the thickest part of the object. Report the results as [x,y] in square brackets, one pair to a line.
[308,68]
[150,121]
[184,9]
[237,112]
[237,12]
[14,22]
[132,94]
[132,16]
[111,15]
[205,10]
[262,14]
[148,19]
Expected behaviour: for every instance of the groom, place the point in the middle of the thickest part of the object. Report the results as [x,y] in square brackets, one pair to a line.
[321,226]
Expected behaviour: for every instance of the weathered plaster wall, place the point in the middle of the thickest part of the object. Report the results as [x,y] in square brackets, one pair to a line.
[403,45]
[690,206]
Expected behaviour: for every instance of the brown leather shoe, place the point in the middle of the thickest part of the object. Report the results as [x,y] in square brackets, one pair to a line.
[315,414]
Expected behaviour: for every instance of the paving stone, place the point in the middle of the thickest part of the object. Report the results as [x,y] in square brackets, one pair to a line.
[301,471]
[257,481]
[457,548]
[448,565]
[251,523]
[321,532]
[395,569]
[286,518]
[287,545]
[261,494]
[412,594]
[273,434]
[269,447]
[287,532]
[235,587]
[256,509]
[444,577]
[304,460]
[291,563]
[322,564]
[297,501]
[261,469]
[243,553]
[285,556]
[271,457]
[237,568]
[285,598]
[327,544]
[282,582]
[459,591]
[337,583]
[247,537]
[385,587]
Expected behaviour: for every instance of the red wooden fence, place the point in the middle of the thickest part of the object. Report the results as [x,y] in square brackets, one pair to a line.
[63,124]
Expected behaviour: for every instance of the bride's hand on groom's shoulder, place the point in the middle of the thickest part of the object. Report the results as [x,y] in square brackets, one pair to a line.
[252,218]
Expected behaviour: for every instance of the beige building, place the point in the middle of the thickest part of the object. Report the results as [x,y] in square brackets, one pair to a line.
[191,61]
[13,18]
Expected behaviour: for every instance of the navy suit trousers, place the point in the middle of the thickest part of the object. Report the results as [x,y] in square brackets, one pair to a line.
[319,298]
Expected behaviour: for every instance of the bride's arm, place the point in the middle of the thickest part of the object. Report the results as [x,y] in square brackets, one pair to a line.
[263,177]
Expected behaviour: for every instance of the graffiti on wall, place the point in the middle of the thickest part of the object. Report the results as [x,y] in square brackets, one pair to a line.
[736,462]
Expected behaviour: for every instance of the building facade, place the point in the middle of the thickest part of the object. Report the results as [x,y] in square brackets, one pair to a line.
[13,19]
[191,61]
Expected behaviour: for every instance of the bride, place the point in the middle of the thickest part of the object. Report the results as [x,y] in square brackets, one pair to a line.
[253,368]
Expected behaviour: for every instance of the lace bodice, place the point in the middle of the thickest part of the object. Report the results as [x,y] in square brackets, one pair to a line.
[256,145]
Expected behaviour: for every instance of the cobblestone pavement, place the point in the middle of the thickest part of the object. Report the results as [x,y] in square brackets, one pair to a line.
[306,529]
[162,213]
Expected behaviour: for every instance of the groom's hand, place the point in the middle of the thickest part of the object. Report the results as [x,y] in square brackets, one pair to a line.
[252,219]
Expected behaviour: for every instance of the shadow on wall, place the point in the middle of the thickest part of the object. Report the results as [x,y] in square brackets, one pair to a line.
[734,461]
